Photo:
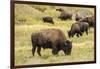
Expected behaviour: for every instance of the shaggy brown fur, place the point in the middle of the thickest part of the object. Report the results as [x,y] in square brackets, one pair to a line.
[50,38]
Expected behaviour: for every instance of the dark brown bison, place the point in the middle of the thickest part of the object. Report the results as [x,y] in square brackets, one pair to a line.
[60,9]
[65,16]
[77,17]
[51,38]
[89,19]
[78,28]
[48,20]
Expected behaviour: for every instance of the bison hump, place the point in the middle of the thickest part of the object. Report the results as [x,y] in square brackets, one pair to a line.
[53,34]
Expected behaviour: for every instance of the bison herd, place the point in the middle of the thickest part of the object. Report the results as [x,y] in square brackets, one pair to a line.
[55,39]
[66,15]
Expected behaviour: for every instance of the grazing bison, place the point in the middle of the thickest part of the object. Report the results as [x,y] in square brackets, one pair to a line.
[78,28]
[65,16]
[60,9]
[50,38]
[89,19]
[48,20]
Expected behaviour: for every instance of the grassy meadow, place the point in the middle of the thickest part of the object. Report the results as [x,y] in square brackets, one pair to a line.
[28,19]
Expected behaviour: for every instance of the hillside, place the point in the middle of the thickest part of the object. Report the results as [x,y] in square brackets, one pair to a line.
[32,14]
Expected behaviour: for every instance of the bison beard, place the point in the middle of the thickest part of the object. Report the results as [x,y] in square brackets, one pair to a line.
[50,38]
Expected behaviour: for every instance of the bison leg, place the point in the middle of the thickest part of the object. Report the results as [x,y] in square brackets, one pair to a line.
[38,51]
[54,51]
[52,22]
[72,35]
[80,33]
[87,31]
[33,50]
[77,34]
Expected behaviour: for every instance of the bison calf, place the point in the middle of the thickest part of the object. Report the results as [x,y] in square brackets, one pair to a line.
[78,28]
[50,38]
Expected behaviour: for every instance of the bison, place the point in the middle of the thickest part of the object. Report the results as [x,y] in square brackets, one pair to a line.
[50,38]
[78,28]
[89,19]
[65,16]
[48,20]
[77,17]
[60,9]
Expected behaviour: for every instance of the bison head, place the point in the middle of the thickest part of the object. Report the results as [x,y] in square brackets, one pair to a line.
[68,47]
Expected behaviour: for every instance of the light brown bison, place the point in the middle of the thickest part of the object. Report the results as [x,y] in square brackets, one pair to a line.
[50,38]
